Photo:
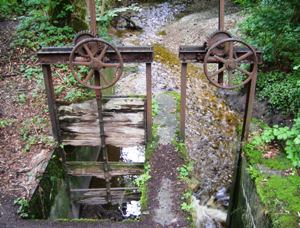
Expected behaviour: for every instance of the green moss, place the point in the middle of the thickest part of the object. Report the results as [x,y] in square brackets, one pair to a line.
[255,156]
[162,33]
[165,56]
[44,196]
[281,196]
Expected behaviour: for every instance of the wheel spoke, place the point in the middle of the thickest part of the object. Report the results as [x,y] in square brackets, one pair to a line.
[117,65]
[220,59]
[104,78]
[81,63]
[230,50]
[243,57]
[103,52]
[87,49]
[218,72]
[88,77]
[243,71]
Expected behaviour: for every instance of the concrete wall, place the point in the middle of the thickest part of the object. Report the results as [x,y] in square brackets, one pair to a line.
[249,211]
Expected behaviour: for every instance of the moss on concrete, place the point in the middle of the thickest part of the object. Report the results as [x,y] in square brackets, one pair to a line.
[44,196]
[280,194]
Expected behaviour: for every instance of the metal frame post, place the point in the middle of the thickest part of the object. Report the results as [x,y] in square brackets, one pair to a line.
[222,15]
[149,101]
[249,106]
[51,101]
[92,16]
[183,99]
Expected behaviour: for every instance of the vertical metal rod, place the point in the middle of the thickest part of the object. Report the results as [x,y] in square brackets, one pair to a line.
[221,75]
[245,132]
[103,147]
[149,101]
[249,106]
[92,16]
[221,15]
[51,101]
[183,99]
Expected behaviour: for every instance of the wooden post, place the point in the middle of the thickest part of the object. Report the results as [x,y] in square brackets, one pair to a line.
[183,99]
[51,101]
[149,101]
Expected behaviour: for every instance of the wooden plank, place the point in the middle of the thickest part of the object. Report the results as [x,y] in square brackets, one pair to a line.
[97,196]
[124,123]
[96,169]
[197,54]
[60,55]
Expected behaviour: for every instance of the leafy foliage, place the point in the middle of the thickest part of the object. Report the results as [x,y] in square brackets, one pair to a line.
[289,136]
[274,27]
[282,90]
[5,122]
[23,210]
[11,7]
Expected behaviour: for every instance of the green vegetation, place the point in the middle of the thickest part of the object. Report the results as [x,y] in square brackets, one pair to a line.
[23,204]
[6,122]
[289,137]
[277,188]
[31,133]
[141,182]
[274,27]
[185,171]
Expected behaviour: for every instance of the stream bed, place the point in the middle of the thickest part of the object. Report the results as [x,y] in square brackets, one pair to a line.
[211,125]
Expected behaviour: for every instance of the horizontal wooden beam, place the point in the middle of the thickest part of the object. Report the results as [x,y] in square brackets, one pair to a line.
[96,169]
[60,55]
[124,122]
[197,54]
[96,196]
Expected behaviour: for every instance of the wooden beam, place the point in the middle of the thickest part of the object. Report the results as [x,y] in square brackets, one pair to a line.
[96,169]
[124,122]
[97,196]
[60,55]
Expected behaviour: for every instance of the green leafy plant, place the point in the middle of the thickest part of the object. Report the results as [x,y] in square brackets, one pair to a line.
[253,172]
[31,133]
[290,137]
[186,207]
[5,122]
[22,98]
[141,182]
[23,204]
[274,27]
[185,170]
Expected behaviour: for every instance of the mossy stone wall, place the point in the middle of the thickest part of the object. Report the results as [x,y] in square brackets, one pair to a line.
[249,211]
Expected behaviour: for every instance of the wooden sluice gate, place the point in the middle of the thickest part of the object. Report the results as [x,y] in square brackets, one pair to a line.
[120,121]
[124,122]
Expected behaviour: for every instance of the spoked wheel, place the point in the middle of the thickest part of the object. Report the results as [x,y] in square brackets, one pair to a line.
[237,70]
[90,57]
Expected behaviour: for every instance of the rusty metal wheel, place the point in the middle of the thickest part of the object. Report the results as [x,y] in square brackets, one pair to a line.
[216,37]
[236,70]
[92,62]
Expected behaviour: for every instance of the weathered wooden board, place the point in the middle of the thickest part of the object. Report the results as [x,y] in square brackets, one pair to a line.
[98,195]
[124,122]
[96,169]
